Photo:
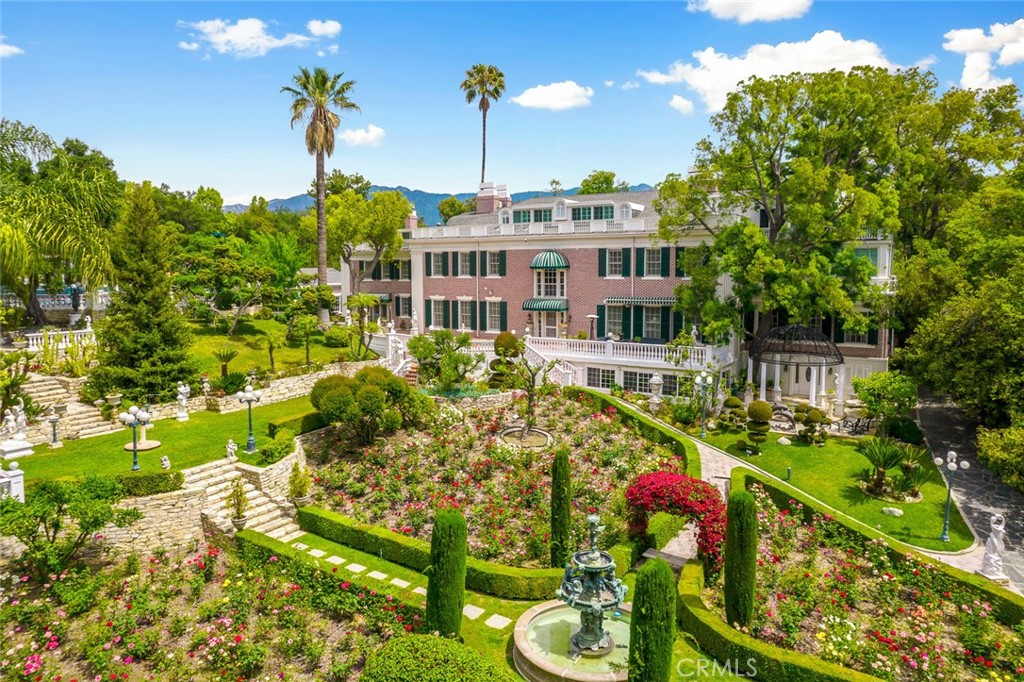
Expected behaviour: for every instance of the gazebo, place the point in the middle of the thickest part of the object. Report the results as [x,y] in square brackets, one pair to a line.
[799,345]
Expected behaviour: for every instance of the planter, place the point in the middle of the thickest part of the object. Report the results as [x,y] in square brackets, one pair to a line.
[60,409]
[113,399]
[99,403]
[302,501]
[239,524]
[20,344]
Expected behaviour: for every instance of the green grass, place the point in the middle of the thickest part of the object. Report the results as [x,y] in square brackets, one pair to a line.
[250,342]
[831,474]
[199,440]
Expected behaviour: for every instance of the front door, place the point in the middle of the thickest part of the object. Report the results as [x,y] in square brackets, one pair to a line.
[547,324]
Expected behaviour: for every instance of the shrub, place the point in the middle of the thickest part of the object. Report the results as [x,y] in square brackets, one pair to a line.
[298,482]
[684,412]
[663,527]
[652,629]
[885,456]
[561,509]
[446,580]
[279,448]
[903,429]
[886,394]
[142,483]
[328,385]
[732,402]
[506,345]
[426,658]
[759,417]
[303,422]
[814,421]
[1002,451]
[237,503]
[230,383]
[740,558]
[335,337]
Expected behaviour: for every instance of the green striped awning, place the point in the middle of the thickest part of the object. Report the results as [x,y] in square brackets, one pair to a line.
[384,298]
[640,300]
[552,304]
[549,260]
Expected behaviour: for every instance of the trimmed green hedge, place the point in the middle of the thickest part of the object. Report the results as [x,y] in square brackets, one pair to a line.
[760,659]
[279,448]
[626,554]
[142,483]
[648,428]
[481,576]
[426,658]
[662,527]
[302,422]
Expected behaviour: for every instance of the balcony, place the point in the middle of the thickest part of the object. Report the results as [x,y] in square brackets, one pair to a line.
[560,227]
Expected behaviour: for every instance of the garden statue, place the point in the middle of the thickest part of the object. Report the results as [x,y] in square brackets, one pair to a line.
[232,448]
[13,443]
[657,384]
[415,324]
[184,391]
[204,384]
[88,323]
[165,462]
[9,428]
[995,548]
[20,420]
[76,297]
[695,335]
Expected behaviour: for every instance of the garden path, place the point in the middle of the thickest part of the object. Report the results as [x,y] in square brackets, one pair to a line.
[977,491]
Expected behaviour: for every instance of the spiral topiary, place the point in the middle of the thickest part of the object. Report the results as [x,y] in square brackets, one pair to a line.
[446,582]
[652,629]
[759,416]
[506,345]
[740,558]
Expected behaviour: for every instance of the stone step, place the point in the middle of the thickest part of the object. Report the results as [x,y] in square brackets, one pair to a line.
[198,472]
[215,483]
[288,537]
[96,430]
[272,523]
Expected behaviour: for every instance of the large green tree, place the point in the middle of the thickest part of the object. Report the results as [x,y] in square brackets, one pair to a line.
[452,206]
[600,182]
[486,83]
[315,96]
[337,182]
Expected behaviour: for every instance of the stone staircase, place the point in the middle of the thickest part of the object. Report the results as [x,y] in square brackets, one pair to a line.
[79,421]
[412,375]
[267,515]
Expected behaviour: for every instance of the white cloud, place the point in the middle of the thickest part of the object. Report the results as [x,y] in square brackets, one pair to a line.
[681,104]
[190,47]
[333,49]
[716,74]
[324,29]
[7,50]
[321,53]
[630,85]
[977,46]
[609,84]
[556,96]
[244,38]
[371,136]
[747,11]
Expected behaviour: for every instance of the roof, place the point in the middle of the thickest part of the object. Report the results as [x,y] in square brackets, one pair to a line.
[334,276]
[551,304]
[640,300]
[643,198]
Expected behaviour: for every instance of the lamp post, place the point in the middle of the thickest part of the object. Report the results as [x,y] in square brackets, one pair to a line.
[703,385]
[593,318]
[134,418]
[953,466]
[249,396]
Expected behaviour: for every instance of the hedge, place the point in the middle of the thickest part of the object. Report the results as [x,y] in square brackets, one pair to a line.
[648,427]
[299,423]
[279,448]
[145,483]
[652,627]
[663,527]
[481,576]
[1007,606]
[426,658]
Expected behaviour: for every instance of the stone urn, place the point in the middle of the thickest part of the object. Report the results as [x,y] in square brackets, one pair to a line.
[302,501]
[113,399]
[239,523]
[60,409]
[20,344]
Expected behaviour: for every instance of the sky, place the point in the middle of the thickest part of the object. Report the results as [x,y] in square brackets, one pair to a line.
[189,93]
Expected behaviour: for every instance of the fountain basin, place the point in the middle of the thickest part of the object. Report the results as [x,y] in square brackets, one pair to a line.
[541,652]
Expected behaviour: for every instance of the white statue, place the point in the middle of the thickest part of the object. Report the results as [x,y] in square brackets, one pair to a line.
[165,462]
[415,322]
[20,420]
[184,391]
[232,448]
[88,323]
[9,428]
[995,548]
[695,335]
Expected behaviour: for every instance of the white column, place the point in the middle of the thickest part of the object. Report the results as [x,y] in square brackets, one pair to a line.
[763,371]
[778,378]
[812,397]
[821,382]
[750,370]
[841,392]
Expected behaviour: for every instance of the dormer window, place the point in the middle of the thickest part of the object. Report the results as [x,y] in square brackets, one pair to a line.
[625,211]
[506,217]
[559,210]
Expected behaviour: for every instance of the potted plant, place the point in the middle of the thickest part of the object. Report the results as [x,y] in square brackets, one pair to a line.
[298,485]
[237,504]
[113,398]
[19,341]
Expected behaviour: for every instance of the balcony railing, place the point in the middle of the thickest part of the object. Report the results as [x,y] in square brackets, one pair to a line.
[561,227]
[62,338]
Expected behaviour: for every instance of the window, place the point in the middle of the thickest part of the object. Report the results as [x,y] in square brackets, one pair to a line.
[550,284]
[559,210]
[604,212]
[615,262]
[871,253]
[465,314]
[613,319]
[466,263]
[438,264]
[520,216]
[494,316]
[493,263]
[542,215]
[625,211]
[581,213]
[851,337]
[671,385]
[652,263]
[437,313]
[405,269]
[405,305]
[652,323]
[640,382]
[600,378]
[506,217]
[815,323]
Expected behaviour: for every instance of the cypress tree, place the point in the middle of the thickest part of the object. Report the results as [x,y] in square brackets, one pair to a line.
[143,342]
[561,511]
[652,628]
[446,582]
[740,558]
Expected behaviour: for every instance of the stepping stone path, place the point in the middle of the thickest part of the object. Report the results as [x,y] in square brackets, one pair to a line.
[495,620]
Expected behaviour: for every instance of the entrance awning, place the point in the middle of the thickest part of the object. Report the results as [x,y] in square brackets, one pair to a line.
[548,304]
[383,298]
[640,300]
[549,260]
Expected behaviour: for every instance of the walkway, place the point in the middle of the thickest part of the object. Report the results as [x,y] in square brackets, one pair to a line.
[977,491]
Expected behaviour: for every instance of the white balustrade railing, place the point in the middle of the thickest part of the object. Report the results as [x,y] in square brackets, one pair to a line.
[62,338]
[687,356]
[549,228]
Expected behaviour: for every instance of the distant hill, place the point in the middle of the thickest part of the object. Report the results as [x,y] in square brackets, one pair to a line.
[424,202]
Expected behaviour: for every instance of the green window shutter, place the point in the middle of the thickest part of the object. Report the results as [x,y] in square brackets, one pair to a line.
[627,324]
[666,315]
[680,255]
[376,272]
[638,321]
[677,323]
[392,270]
[837,330]
[472,267]
[666,260]
[602,262]
[472,317]
[640,258]
[503,326]
[444,264]
[398,308]
[483,263]
[428,265]
[428,311]
[872,337]
[626,256]
[601,322]
[483,315]
[455,263]
[446,314]
[501,266]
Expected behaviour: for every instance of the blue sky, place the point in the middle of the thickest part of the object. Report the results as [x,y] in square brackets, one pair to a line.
[175,96]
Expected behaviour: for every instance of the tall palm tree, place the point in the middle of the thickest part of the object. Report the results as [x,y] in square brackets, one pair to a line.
[314,95]
[488,83]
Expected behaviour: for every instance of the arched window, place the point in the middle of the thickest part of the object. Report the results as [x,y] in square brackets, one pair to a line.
[506,217]
[559,210]
[625,211]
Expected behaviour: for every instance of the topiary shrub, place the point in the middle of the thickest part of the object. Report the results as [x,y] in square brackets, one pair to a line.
[327,385]
[506,345]
[740,558]
[732,402]
[426,658]
[335,337]
[814,421]
[652,628]
[759,416]
[446,576]
[561,509]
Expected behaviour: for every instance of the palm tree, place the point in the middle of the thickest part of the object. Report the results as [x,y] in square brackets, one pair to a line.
[314,95]
[488,83]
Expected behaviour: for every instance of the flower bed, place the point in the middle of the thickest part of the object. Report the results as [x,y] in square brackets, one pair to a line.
[504,490]
[844,599]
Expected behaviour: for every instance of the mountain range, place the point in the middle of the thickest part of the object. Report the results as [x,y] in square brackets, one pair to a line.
[424,202]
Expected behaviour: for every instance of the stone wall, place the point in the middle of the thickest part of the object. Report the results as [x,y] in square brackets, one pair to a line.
[288,388]
[484,402]
[170,520]
[273,480]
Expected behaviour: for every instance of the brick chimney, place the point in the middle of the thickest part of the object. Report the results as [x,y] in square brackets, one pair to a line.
[487,200]
[412,220]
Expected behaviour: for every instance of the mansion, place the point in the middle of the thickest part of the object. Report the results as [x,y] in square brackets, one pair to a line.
[590,282]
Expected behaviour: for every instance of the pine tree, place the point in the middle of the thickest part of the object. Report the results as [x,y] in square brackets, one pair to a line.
[561,511]
[652,628]
[446,582]
[740,558]
[143,342]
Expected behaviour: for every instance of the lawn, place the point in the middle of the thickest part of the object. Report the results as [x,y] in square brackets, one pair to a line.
[199,440]
[250,342]
[831,474]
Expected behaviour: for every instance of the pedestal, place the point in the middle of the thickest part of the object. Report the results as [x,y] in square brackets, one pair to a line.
[1001,578]
[53,445]
[13,449]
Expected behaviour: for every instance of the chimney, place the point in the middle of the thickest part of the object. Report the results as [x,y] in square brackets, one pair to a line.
[504,198]
[487,200]
[412,220]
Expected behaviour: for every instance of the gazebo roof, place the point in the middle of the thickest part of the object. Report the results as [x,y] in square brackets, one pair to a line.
[795,344]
